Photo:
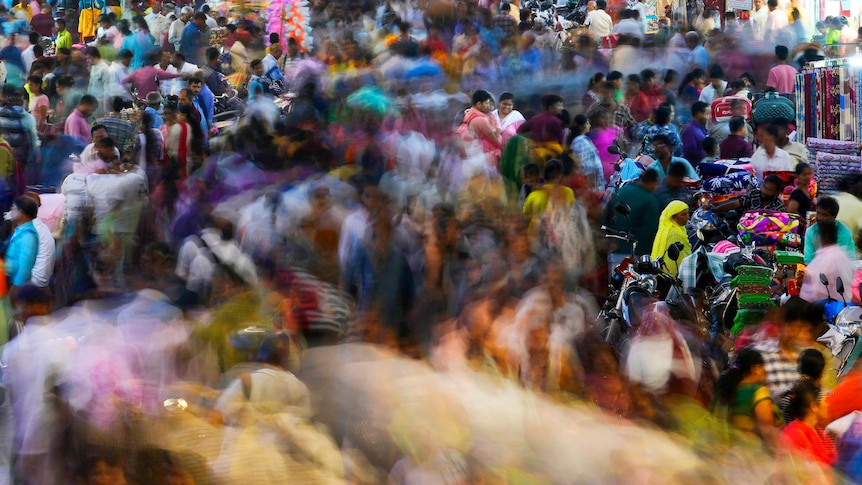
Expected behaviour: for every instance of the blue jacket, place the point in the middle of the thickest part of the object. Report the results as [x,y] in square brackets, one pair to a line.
[21,254]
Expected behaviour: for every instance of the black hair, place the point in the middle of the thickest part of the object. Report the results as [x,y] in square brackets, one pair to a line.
[117,104]
[531,169]
[743,365]
[106,142]
[716,72]
[549,100]
[774,180]
[828,232]
[579,124]
[710,144]
[736,123]
[662,115]
[691,76]
[650,176]
[677,170]
[803,394]
[553,169]
[60,22]
[179,55]
[647,74]
[781,52]
[662,138]
[800,167]
[28,206]
[89,99]
[481,96]
[507,96]
[596,80]
[613,76]
[811,364]
[125,54]
[699,107]
[212,54]
[255,63]
[601,4]
[34,37]
[634,78]
[830,204]
[669,75]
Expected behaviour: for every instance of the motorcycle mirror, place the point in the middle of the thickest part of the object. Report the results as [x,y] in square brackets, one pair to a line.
[675,251]
[614,149]
[824,279]
[617,167]
[623,209]
[839,285]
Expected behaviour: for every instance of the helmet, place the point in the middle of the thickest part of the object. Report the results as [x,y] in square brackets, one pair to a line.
[264,344]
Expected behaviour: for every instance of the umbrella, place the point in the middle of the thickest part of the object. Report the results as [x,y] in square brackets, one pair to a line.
[371,98]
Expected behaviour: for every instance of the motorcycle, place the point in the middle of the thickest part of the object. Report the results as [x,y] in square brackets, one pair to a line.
[635,281]
[845,327]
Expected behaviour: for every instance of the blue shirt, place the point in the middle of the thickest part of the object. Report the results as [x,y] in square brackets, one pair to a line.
[21,254]
[206,100]
[191,44]
[158,122]
[140,43]
[698,57]
[690,171]
[255,86]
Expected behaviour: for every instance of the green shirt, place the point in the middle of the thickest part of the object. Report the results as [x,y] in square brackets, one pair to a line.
[64,39]
[644,217]
[845,241]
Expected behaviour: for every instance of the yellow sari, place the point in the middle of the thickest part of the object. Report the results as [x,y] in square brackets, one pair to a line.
[669,232]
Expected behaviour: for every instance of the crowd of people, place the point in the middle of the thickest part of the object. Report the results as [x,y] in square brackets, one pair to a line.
[325,249]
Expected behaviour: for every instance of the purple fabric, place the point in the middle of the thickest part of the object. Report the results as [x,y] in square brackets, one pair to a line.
[602,139]
[735,146]
[692,142]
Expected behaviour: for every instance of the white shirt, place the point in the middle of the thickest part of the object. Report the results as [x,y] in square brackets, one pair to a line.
[211,23]
[116,73]
[158,24]
[758,23]
[641,9]
[100,78]
[175,33]
[780,162]
[599,23]
[710,94]
[629,27]
[832,262]
[44,266]
[775,21]
[270,387]
[178,84]
[120,196]
[352,230]
[196,264]
[28,58]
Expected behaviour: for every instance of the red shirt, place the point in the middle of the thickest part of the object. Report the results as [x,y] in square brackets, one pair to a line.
[846,397]
[640,105]
[799,439]
[43,23]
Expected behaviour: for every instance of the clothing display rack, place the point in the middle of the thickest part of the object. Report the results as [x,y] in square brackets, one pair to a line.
[827,101]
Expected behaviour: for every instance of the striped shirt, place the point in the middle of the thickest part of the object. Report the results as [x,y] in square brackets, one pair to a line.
[120,130]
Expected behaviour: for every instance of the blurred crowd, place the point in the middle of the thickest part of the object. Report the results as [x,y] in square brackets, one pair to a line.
[370,251]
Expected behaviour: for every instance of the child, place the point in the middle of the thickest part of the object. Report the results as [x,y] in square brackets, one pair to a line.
[710,146]
[530,179]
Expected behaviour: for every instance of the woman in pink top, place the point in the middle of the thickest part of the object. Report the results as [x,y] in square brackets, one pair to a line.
[510,118]
[603,134]
[39,103]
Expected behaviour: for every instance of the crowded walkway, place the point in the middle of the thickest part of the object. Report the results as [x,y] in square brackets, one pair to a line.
[430,242]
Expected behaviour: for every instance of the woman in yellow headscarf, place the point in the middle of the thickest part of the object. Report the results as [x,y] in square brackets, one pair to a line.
[671,229]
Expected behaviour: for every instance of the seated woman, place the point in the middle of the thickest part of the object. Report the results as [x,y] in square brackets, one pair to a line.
[743,398]
[671,230]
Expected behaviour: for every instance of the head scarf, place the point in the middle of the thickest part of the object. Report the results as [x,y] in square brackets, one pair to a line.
[670,232]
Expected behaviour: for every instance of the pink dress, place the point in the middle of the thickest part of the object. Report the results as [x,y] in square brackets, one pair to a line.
[603,138]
